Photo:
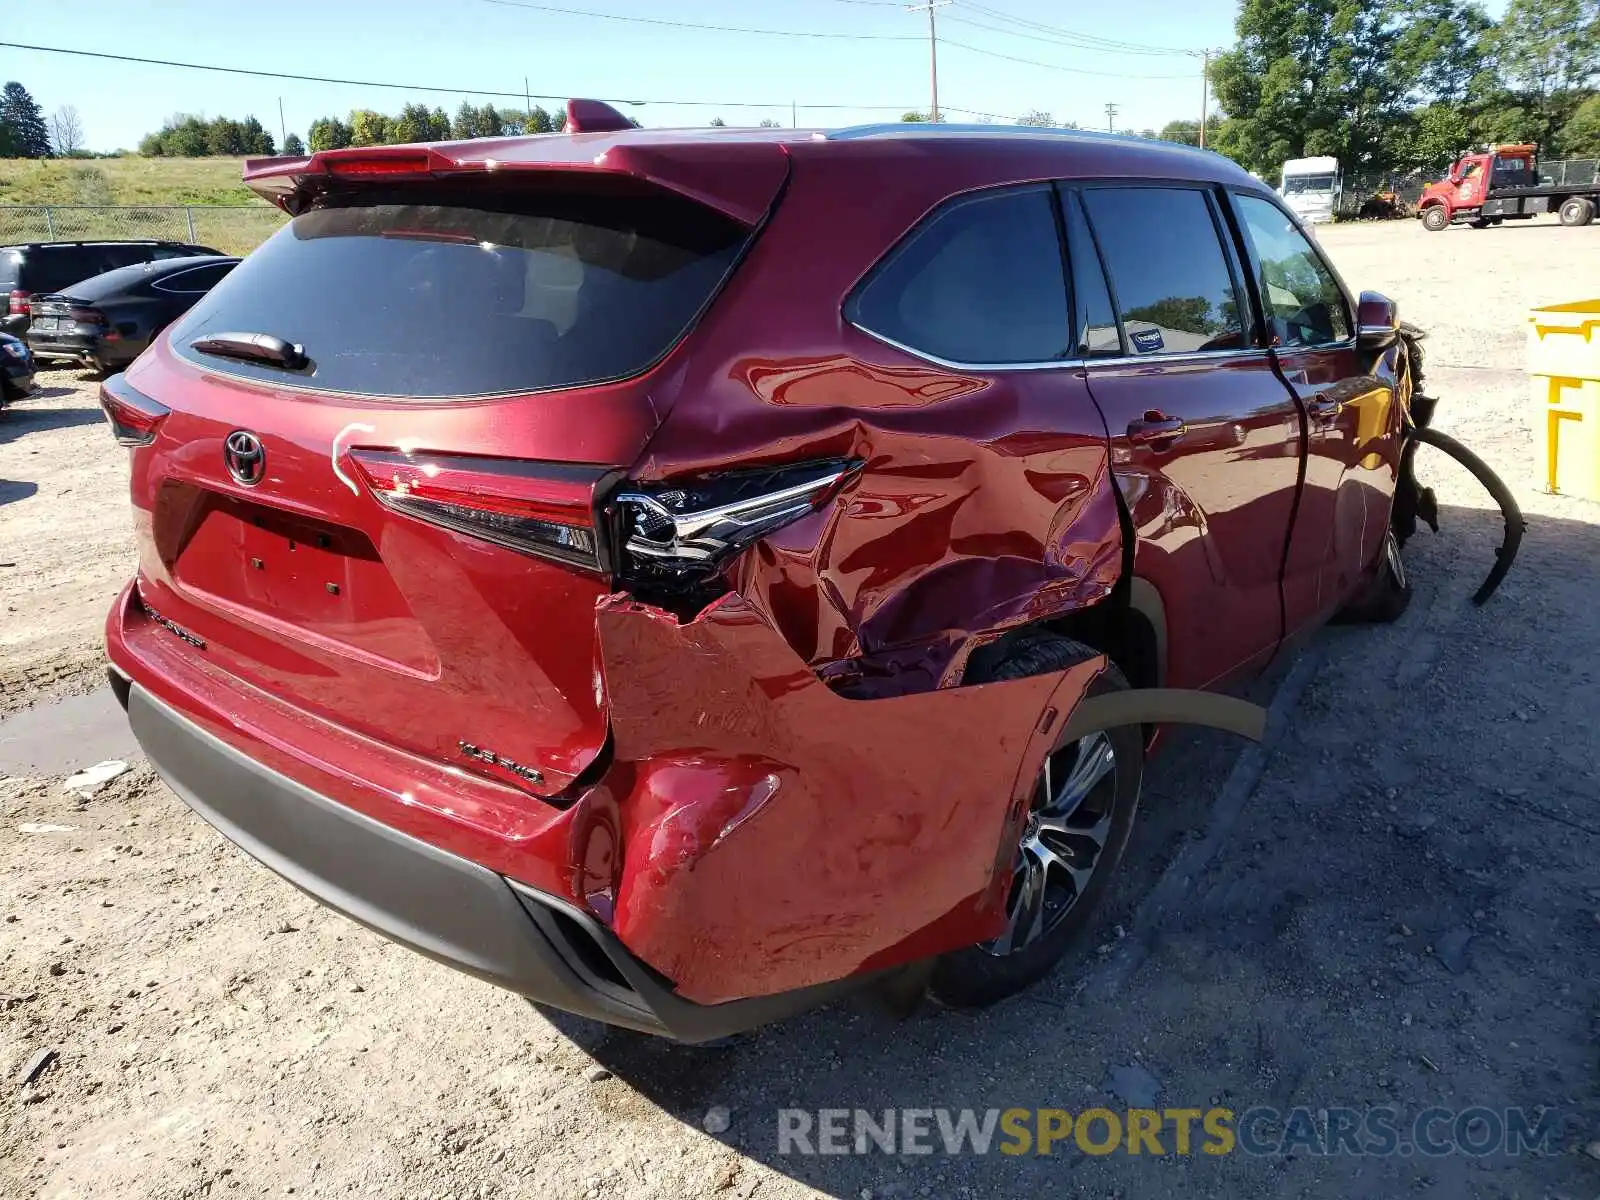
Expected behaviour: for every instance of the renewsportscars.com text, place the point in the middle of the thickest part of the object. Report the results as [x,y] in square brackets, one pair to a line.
[1261,1131]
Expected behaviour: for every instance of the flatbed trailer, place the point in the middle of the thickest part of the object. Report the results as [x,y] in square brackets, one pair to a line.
[1505,184]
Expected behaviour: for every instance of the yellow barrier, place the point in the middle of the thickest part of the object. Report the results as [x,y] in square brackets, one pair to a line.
[1564,365]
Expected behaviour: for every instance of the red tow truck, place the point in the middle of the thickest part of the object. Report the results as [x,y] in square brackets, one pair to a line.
[1504,184]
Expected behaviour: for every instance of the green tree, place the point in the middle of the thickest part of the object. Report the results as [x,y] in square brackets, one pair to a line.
[413,124]
[293,146]
[224,137]
[466,122]
[1580,136]
[25,130]
[1184,132]
[1038,119]
[540,121]
[769,123]
[256,139]
[1443,50]
[368,128]
[915,116]
[1312,77]
[328,133]
[1547,49]
[718,123]
[1437,136]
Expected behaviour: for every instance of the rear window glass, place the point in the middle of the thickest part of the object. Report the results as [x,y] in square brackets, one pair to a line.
[452,292]
[980,281]
[10,269]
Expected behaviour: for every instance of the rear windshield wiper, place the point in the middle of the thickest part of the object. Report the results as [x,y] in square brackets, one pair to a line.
[253,347]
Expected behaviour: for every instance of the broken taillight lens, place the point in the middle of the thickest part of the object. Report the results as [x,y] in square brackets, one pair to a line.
[687,532]
[134,416]
[539,508]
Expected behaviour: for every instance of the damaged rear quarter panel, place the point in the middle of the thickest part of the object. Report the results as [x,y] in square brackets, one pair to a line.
[985,497]
[774,834]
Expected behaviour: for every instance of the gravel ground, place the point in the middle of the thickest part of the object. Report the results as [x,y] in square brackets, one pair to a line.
[1395,903]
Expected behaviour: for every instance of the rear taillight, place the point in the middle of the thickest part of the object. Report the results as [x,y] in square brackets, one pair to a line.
[685,533]
[544,509]
[134,416]
[88,316]
[18,306]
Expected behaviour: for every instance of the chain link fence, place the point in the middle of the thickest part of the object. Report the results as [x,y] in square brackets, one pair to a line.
[1578,171]
[230,229]
[1363,194]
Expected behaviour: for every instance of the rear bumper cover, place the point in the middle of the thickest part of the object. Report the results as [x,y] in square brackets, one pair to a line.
[435,902]
[65,345]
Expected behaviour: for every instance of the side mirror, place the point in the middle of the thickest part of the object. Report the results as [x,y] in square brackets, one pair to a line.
[1377,321]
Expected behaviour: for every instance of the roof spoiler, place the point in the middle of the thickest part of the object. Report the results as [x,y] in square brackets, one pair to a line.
[739,180]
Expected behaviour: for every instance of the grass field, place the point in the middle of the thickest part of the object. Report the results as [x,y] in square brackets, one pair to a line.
[74,189]
[129,180]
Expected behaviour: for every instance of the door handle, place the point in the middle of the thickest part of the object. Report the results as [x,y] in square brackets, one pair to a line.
[1156,426]
[1323,407]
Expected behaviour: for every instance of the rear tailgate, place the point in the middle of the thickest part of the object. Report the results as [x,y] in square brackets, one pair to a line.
[499,343]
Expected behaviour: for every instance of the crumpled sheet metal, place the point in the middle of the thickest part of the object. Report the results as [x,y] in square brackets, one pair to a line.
[763,833]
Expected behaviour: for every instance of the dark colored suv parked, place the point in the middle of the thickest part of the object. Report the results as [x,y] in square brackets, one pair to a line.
[679,574]
[39,267]
[107,321]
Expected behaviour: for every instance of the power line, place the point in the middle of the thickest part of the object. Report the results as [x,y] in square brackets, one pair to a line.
[1066,41]
[1033,62]
[476,90]
[794,33]
[1096,39]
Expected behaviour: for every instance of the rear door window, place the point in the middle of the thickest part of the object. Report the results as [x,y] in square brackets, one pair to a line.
[1173,289]
[440,291]
[1304,304]
[979,282]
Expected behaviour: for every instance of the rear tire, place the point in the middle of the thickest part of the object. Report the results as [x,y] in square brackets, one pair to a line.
[1435,217]
[1576,210]
[1079,834]
[1386,596]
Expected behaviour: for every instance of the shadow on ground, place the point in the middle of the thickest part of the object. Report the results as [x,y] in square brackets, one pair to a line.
[1405,915]
[17,422]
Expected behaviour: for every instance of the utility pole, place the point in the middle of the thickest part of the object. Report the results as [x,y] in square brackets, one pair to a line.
[283,129]
[1111,118]
[527,105]
[1205,98]
[933,47]
[794,115]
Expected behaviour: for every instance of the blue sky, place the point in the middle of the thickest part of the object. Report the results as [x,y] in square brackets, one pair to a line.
[493,44]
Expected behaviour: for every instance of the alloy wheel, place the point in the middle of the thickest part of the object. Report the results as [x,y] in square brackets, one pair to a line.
[1063,841]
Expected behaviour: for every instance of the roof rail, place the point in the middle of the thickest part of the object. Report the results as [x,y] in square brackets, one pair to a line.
[889,129]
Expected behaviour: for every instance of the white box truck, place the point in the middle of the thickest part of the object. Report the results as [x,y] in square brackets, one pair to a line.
[1311,188]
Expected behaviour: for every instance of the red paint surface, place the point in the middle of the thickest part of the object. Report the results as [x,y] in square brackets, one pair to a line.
[755,830]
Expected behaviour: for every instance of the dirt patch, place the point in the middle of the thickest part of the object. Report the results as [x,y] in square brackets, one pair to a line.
[66,539]
[1404,914]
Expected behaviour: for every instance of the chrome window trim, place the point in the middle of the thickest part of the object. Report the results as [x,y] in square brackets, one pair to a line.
[951,364]
[1079,363]
[1349,343]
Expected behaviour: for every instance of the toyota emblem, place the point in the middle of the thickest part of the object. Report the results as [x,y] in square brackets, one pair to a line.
[245,456]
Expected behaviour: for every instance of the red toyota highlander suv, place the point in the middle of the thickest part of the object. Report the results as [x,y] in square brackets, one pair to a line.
[677,575]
